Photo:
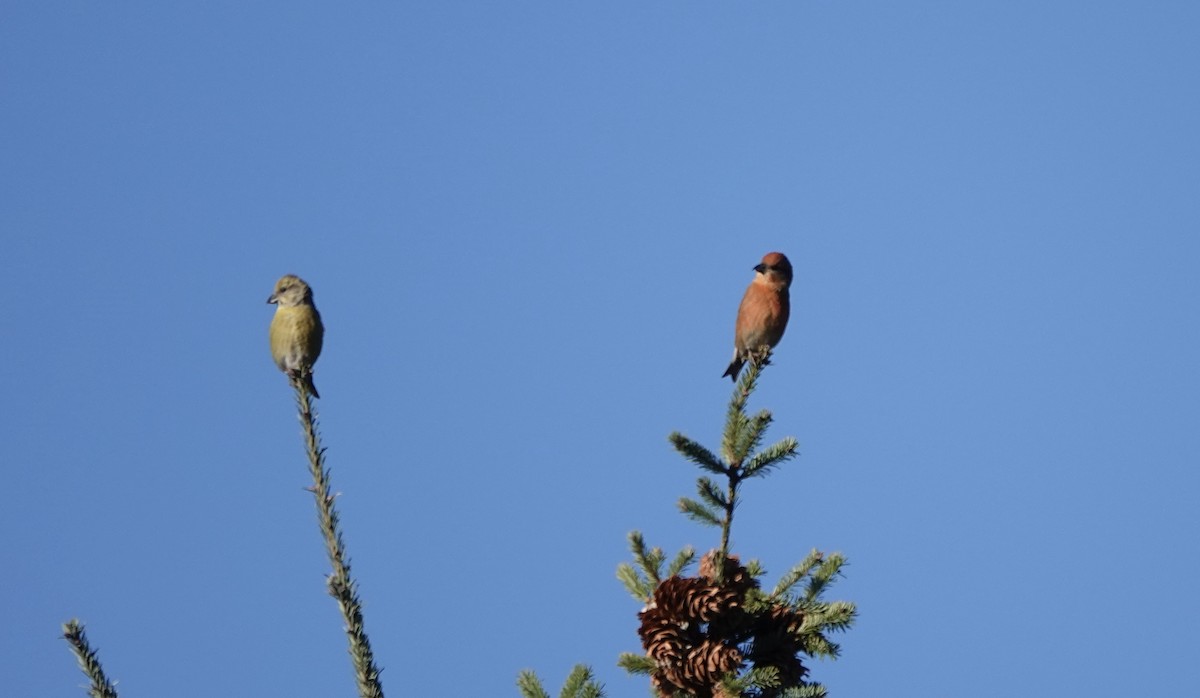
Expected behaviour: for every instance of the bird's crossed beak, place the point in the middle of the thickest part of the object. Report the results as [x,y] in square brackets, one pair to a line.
[760,268]
[271,300]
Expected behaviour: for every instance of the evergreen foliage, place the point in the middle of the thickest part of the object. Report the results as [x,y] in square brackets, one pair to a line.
[580,683]
[340,584]
[718,634]
[89,662]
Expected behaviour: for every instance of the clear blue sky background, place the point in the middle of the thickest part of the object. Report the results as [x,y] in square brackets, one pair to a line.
[528,226]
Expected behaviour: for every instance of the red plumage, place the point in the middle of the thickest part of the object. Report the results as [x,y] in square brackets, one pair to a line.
[763,315]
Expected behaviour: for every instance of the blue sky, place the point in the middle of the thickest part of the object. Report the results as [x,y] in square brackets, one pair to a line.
[528,226]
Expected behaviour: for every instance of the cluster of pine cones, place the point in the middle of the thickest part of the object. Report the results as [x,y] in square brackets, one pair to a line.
[698,630]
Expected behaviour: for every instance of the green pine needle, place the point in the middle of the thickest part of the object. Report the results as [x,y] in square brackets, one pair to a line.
[581,684]
[637,663]
[839,616]
[734,685]
[764,677]
[795,575]
[822,576]
[751,435]
[812,690]
[649,560]
[697,454]
[637,544]
[88,660]
[637,586]
[736,422]
[681,561]
[771,457]
[530,685]
[817,645]
[711,493]
[733,441]
[698,512]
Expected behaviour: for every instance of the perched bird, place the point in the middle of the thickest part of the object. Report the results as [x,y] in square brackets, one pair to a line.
[762,317]
[296,330]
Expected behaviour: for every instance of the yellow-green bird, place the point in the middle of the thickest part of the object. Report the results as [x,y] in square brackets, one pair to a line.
[296,330]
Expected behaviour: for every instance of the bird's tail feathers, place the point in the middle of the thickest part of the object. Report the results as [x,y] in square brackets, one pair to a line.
[735,367]
[305,379]
[308,383]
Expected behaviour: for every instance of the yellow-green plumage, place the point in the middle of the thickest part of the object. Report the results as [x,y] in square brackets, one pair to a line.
[296,330]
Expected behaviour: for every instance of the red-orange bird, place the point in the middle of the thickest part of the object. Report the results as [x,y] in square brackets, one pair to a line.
[763,315]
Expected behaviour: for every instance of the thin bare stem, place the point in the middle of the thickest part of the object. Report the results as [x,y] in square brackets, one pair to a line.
[341,585]
[727,522]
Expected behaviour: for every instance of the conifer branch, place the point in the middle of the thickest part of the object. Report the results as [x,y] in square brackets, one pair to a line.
[697,454]
[581,683]
[823,575]
[719,633]
[770,457]
[839,616]
[742,435]
[711,494]
[750,436]
[681,561]
[88,660]
[817,645]
[637,663]
[736,420]
[530,685]
[734,685]
[796,574]
[637,545]
[649,560]
[641,584]
[763,677]
[812,690]
[700,513]
[341,585]
[637,586]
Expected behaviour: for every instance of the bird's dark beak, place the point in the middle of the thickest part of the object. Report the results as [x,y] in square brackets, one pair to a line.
[271,300]
[761,268]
